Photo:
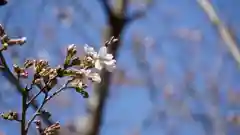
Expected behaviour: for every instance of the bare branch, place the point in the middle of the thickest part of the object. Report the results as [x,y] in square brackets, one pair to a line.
[37,112]
[45,100]
[34,97]
[97,100]
[106,6]
[143,65]
[224,32]
[141,13]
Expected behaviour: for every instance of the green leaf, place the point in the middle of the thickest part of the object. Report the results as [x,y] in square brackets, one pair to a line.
[82,92]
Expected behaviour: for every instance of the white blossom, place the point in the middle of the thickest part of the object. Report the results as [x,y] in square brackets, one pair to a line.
[88,74]
[72,47]
[94,77]
[90,51]
[77,82]
[105,60]
[102,58]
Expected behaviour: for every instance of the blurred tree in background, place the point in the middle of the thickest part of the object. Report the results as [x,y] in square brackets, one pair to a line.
[177,70]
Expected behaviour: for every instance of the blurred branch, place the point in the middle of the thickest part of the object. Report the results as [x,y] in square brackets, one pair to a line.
[141,13]
[45,100]
[143,65]
[97,100]
[224,32]
[106,7]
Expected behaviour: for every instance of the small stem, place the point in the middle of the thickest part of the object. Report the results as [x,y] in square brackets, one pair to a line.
[37,112]
[34,97]
[45,100]
[24,109]
[57,92]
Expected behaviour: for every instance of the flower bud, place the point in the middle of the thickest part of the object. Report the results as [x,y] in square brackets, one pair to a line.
[52,130]
[71,50]
[20,71]
[10,116]
[28,63]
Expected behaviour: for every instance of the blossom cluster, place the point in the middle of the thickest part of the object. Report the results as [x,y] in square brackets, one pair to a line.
[91,60]
[78,69]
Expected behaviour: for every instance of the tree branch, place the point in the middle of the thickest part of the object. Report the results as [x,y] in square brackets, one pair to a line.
[144,67]
[45,100]
[106,7]
[141,13]
[9,75]
[97,100]
[24,110]
[13,80]
[223,31]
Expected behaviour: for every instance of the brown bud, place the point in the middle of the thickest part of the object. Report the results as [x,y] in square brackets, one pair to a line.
[28,63]
[20,71]
[52,130]
[40,64]
[17,69]
[39,126]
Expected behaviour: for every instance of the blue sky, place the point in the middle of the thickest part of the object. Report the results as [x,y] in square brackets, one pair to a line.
[129,106]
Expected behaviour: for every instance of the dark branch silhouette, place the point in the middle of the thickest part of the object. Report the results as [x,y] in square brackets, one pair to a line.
[3,2]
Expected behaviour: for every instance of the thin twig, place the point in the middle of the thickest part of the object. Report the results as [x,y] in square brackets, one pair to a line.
[37,112]
[57,92]
[40,91]
[34,97]
[45,100]
[224,32]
